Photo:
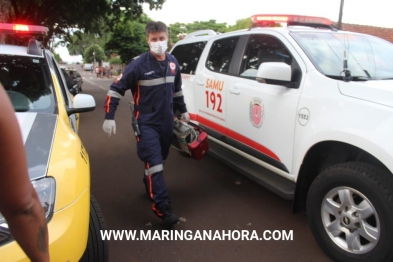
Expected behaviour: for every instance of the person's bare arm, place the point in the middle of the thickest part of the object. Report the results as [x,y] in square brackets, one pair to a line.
[19,202]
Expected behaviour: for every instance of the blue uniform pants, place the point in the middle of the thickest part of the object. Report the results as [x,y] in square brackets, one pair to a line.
[153,148]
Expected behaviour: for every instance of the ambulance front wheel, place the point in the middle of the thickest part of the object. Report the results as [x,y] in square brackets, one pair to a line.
[350,211]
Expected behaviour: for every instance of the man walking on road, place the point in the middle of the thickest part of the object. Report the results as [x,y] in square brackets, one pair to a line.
[155,82]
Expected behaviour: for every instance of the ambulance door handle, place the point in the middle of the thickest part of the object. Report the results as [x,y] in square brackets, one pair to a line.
[234,91]
[200,82]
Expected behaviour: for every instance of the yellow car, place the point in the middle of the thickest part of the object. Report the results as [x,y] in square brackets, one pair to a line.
[58,163]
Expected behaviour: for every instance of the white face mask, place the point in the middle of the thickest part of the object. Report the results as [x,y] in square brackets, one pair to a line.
[158,48]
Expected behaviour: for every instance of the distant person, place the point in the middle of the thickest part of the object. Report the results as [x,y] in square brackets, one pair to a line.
[98,71]
[107,71]
[111,71]
[19,203]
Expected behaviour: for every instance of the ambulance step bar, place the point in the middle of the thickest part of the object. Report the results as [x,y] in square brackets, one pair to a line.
[268,179]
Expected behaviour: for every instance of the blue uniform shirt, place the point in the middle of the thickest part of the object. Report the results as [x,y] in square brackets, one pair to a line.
[156,88]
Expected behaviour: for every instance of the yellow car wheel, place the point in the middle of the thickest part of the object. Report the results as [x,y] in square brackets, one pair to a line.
[97,249]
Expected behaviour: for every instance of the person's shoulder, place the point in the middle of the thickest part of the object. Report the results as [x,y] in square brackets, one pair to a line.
[142,57]
[136,61]
[171,58]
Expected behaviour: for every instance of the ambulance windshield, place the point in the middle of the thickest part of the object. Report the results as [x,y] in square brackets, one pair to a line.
[369,58]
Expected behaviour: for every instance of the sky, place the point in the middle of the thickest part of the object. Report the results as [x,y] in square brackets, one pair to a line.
[363,12]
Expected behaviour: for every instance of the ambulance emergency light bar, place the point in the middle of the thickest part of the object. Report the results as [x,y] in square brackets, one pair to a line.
[22,29]
[272,20]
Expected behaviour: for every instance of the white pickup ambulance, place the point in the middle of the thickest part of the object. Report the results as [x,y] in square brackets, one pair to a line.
[306,111]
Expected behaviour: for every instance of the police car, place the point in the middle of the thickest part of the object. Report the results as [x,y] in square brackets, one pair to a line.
[305,110]
[58,163]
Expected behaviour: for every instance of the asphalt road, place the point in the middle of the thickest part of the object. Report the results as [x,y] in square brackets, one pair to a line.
[206,194]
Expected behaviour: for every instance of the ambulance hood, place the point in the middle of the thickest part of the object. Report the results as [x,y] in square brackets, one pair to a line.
[376,91]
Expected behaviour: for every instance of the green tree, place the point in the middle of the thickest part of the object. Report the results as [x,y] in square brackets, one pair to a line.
[63,17]
[240,24]
[94,51]
[211,24]
[181,28]
[175,30]
[115,60]
[79,42]
[57,57]
[128,40]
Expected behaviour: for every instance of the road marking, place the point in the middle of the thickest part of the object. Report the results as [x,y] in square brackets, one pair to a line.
[94,84]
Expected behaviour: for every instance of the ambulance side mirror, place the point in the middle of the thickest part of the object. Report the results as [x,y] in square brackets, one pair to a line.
[274,73]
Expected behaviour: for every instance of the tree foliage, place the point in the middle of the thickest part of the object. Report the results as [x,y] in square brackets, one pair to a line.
[94,52]
[240,24]
[79,42]
[128,40]
[115,60]
[61,17]
[211,24]
[178,29]
[57,57]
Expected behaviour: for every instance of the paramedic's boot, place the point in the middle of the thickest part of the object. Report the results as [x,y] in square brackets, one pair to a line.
[168,218]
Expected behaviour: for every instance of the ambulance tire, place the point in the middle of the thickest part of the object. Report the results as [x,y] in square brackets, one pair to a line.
[350,212]
[97,249]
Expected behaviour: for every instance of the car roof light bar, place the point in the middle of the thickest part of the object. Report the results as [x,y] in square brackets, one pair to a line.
[264,20]
[20,29]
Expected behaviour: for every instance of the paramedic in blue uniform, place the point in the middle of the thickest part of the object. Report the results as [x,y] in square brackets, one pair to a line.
[155,82]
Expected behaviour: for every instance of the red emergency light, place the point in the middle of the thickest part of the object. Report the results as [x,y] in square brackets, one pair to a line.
[271,20]
[22,29]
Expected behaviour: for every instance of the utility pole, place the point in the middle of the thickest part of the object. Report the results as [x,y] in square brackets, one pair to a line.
[340,15]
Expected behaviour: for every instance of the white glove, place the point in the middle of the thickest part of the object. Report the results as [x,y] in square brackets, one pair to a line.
[109,126]
[185,117]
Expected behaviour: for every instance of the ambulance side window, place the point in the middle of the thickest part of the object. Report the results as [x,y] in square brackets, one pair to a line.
[221,53]
[260,49]
[188,56]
